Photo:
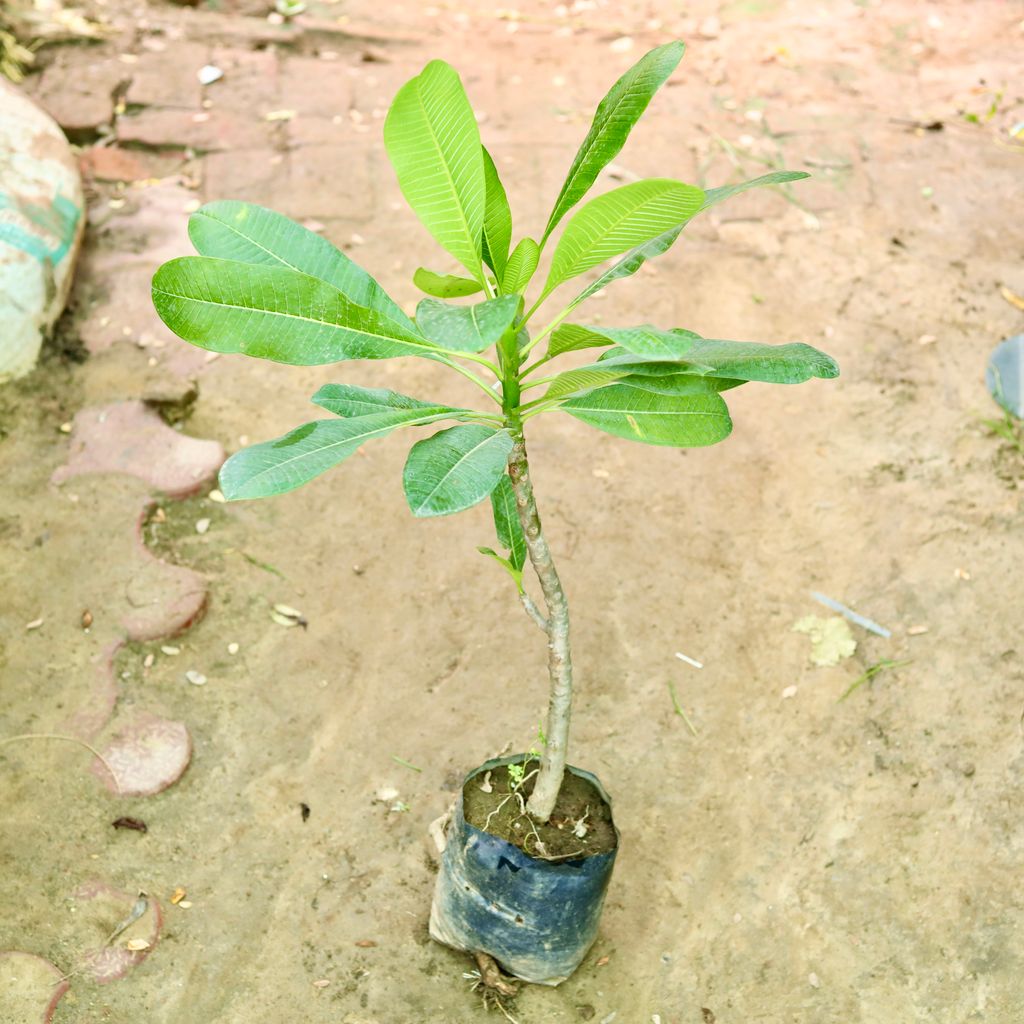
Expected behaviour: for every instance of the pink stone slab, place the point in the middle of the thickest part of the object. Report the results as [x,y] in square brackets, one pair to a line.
[129,437]
[105,907]
[89,721]
[30,988]
[164,600]
[147,754]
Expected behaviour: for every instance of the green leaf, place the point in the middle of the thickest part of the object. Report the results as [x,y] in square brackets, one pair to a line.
[634,260]
[455,469]
[274,313]
[521,266]
[275,467]
[445,286]
[497,234]
[773,364]
[648,341]
[433,142]
[506,522]
[516,574]
[620,220]
[631,262]
[466,328]
[232,230]
[716,195]
[687,421]
[792,363]
[584,378]
[616,114]
[348,400]
[669,379]
[572,338]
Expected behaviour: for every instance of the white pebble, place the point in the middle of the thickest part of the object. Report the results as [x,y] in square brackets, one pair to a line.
[789,691]
[170,651]
[208,74]
[232,648]
[202,525]
[195,678]
[813,980]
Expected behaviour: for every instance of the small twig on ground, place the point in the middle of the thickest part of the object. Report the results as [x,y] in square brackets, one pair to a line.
[265,566]
[679,709]
[69,739]
[849,613]
[689,661]
[139,908]
[870,674]
[405,764]
[923,126]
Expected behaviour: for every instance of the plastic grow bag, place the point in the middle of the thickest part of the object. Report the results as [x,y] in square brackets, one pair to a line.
[536,917]
[41,220]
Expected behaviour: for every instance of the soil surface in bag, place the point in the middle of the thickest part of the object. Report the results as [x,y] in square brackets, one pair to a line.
[579,826]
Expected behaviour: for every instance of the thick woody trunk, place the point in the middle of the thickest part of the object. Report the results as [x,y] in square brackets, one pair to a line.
[552,768]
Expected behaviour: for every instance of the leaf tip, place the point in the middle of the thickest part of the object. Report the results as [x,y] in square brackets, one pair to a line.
[829,369]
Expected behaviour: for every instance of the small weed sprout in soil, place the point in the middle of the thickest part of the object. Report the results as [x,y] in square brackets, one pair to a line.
[264,286]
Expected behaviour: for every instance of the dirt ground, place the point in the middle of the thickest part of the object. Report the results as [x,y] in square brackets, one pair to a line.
[799,860]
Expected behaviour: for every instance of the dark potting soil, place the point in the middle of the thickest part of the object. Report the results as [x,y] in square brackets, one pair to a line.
[559,838]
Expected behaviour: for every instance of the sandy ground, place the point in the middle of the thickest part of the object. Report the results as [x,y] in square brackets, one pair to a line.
[799,860]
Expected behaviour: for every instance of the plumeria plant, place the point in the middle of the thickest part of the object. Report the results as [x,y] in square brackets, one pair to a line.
[264,286]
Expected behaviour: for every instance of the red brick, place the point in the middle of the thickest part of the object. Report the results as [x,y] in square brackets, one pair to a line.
[169,78]
[108,163]
[312,86]
[207,130]
[328,182]
[77,90]
[250,82]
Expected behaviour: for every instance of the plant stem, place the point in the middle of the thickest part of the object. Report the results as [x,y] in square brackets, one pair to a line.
[533,366]
[545,331]
[552,765]
[533,611]
[469,375]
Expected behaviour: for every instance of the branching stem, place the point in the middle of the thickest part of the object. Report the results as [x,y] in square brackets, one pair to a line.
[484,417]
[538,381]
[545,331]
[533,611]
[481,360]
[533,366]
[469,375]
[541,405]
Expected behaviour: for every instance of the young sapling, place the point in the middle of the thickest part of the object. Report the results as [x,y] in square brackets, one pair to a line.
[261,285]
